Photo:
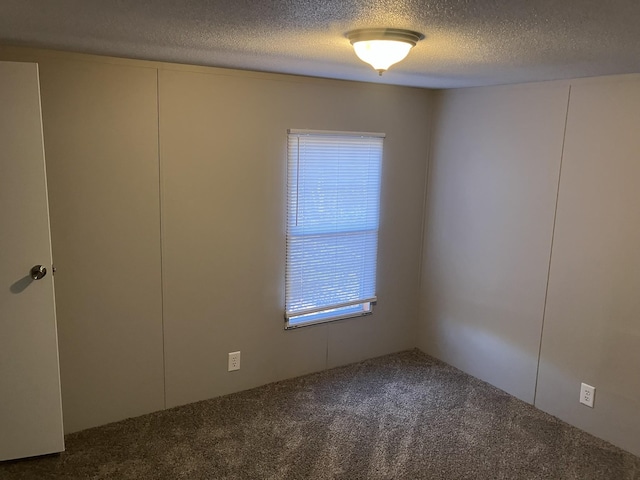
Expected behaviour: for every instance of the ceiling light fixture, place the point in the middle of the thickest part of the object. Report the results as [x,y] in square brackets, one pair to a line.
[382,47]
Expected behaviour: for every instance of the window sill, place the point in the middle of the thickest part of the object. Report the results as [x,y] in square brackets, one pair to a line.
[291,324]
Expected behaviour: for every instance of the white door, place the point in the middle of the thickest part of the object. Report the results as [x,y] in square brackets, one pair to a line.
[30,402]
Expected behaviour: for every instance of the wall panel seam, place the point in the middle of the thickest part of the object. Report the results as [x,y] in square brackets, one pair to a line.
[425,207]
[162,286]
[553,232]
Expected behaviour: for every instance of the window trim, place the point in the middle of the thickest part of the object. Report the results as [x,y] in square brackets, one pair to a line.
[365,304]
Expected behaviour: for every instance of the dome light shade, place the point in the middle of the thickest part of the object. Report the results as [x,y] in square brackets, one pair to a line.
[383,47]
[381,54]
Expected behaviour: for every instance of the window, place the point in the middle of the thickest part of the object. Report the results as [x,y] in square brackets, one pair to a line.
[333,203]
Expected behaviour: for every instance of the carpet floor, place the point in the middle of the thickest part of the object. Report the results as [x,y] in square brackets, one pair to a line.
[402,416]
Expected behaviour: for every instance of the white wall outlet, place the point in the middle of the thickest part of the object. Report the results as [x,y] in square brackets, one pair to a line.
[234,361]
[587,394]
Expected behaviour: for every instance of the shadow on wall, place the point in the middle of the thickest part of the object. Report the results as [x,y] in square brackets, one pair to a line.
[21,285]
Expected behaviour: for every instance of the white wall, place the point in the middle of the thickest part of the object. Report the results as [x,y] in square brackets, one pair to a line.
[223,163]
[592,322]
[493,188]
[101,146]
[495,160]
[167,192]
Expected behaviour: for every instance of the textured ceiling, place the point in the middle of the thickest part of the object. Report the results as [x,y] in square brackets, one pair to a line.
[468,43]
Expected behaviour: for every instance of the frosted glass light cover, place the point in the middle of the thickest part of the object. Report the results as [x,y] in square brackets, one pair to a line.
[381,54]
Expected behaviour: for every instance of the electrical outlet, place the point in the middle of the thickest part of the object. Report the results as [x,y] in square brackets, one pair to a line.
[234,361]
[587,394]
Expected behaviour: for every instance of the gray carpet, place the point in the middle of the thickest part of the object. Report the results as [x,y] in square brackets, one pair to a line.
[402,416]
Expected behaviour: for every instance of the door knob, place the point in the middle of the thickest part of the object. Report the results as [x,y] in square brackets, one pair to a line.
[38,272]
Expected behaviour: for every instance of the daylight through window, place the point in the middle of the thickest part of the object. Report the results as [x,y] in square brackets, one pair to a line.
[333,203]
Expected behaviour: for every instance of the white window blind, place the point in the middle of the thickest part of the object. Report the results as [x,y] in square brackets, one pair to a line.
[333,203]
